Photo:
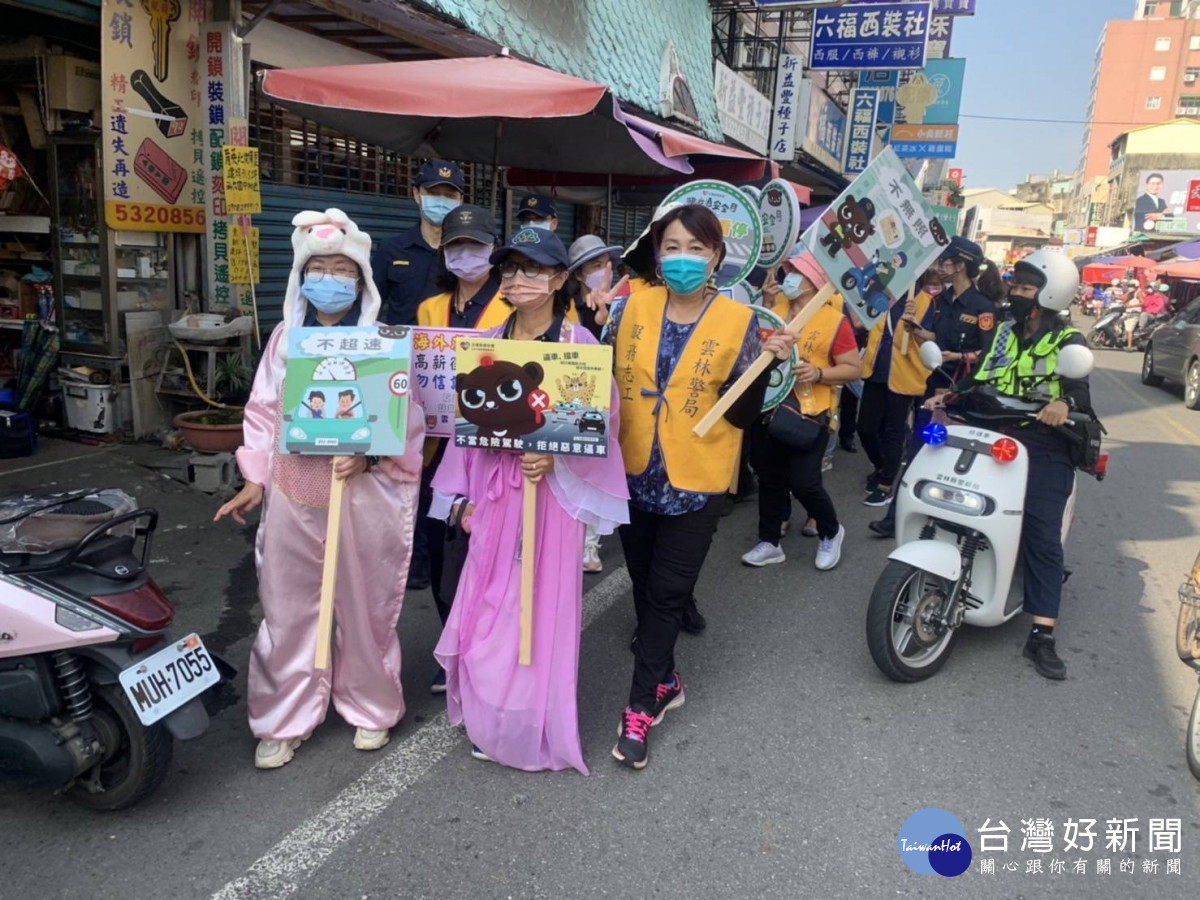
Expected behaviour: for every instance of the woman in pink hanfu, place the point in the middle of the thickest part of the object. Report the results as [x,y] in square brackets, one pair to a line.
[330,286]
[524,716]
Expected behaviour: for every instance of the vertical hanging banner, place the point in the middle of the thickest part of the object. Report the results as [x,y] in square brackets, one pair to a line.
[151,117]
[885,82]
[243,263]
[243,195]
[928,101]
[941,29]
[870,36]
[788,80]
[863,113]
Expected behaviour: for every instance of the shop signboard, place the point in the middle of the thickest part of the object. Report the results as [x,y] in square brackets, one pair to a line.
[791,104]
[927,107]
[885,82]
[744,112]
[151,120]
[826,133]
[863,111]
[870,36]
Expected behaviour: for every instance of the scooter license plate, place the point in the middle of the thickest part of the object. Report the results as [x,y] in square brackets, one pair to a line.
[160,684]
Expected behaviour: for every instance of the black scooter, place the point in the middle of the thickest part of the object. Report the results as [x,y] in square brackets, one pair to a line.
[1109,329]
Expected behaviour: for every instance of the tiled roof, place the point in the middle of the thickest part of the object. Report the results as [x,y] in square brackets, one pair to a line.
[618,43]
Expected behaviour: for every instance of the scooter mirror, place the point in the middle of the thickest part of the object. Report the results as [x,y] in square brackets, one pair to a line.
[1075,361]
[931,355]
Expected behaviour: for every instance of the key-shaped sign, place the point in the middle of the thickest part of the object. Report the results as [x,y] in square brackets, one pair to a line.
[162,14]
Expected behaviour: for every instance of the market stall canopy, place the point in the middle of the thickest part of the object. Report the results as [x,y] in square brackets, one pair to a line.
[1180,269]
[1103,272]
[480,109]
[1189,250]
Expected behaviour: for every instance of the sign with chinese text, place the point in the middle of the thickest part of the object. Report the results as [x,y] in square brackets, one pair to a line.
[826,129]
[744,112]
[948,216]
[779,212]
[885,82]
[864,110]
[791,103]
[739,220]
[533,397]
[870,36]
[242,192]
[151,118]
[876,238]
[783,372]
[927,106]
[243,268]
[1167,201]
[940,7]
[433,356]
[941,29]
[346,391]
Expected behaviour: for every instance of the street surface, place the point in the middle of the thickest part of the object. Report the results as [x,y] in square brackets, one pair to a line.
[788,772]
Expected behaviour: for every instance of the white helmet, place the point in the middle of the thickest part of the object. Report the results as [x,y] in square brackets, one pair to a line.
[1058,276]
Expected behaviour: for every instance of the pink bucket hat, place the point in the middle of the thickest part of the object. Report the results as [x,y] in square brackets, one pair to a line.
[806,264]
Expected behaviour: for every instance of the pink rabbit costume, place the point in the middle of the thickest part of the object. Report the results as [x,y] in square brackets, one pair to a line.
[287,697]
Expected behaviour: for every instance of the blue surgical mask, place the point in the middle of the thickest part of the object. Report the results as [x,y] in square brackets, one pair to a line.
[543,224]
[330,294]
[792,285]
[684,273]
[435,208]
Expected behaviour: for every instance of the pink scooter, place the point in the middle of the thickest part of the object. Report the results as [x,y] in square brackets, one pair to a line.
[93,690]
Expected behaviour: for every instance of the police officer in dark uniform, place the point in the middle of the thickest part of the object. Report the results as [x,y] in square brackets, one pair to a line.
[404,265]
[538,211]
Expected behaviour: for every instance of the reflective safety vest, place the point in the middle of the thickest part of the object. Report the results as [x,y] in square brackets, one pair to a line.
[1013,371]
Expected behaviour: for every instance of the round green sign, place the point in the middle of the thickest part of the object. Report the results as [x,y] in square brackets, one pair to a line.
[783,375]
[779,212]
[739,220]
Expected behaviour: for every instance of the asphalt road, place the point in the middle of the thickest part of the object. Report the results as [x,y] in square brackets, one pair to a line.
[788,772]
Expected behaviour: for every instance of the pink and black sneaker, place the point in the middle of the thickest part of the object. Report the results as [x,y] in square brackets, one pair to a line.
[632,748]
[668,695]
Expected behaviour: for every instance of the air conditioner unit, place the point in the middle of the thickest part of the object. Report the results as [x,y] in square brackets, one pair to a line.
[1189,78]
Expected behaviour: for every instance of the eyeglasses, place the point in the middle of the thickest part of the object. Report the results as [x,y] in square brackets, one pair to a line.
[529,269]
[318,272]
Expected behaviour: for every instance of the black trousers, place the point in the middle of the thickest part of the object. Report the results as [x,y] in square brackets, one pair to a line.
[429,537]
[848,416]
[783,471]
[1051,480]
[664,555]
[882,415]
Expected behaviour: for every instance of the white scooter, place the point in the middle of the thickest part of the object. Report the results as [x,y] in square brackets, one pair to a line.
[958,528]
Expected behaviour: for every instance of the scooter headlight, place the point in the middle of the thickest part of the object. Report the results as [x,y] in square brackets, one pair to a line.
[966,503]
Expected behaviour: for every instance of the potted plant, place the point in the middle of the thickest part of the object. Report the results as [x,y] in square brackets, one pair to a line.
[219,429]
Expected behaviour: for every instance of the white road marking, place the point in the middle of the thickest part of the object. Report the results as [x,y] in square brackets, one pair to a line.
[59,462]
[282,871]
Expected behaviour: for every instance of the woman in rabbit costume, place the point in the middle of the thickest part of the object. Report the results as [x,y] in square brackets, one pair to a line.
[330,285]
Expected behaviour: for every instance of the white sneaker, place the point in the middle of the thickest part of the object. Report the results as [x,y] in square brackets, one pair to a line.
[366,739]
[829,551]
[764,554]
[591,561]
[275,754]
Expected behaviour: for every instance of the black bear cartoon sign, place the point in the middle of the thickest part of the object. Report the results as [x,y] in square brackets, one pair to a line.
[533,397]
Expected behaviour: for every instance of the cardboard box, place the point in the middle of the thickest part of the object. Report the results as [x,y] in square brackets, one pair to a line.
[72,83]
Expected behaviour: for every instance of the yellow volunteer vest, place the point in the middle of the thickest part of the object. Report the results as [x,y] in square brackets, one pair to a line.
[908,374]
[815,343]
[701,465]
[435,312]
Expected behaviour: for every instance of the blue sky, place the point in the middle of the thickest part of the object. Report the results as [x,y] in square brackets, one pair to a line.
[1032,59]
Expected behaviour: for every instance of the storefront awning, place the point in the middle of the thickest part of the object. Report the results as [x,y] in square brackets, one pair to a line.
[482,109]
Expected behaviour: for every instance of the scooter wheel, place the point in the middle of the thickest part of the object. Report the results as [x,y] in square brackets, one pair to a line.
[137,757]
[1192,744]
[900,644]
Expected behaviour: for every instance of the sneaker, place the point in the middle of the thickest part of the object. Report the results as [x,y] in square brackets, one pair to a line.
[667,696]
[439,682]
[878,497]
[810,528]
[1040,649]
[764,554]
[591,561]
[872,482]
[829,551]
[632,748]
[826,463]
[370,739]
[275,754]
[693,620]
[784,528]
[478,754]
[885,528]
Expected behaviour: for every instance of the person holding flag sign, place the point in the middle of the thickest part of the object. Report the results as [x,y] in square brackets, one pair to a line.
[287,697]
[523,716]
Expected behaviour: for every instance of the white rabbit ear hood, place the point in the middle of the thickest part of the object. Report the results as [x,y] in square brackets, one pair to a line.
[320,234]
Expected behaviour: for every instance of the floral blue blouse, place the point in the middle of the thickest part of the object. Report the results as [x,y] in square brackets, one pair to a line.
[651,491]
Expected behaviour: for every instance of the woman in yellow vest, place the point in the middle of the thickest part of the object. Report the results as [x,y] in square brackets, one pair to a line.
[788,444]
[677,348]
[470,298]
[892,382]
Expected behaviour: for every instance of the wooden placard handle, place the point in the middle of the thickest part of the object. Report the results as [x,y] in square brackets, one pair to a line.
[528,545]
[904,332]
[333,530]
[756,368]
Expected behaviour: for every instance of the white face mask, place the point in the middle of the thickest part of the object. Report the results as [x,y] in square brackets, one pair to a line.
[543,224]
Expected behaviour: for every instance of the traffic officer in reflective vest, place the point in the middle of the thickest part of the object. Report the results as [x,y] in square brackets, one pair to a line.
[404,266]
[1023,359]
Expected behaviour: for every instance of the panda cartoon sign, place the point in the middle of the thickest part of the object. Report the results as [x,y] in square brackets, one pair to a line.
[876,238]
[533,397]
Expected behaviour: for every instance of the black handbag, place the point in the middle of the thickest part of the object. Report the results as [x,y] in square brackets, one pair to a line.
[792,428]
